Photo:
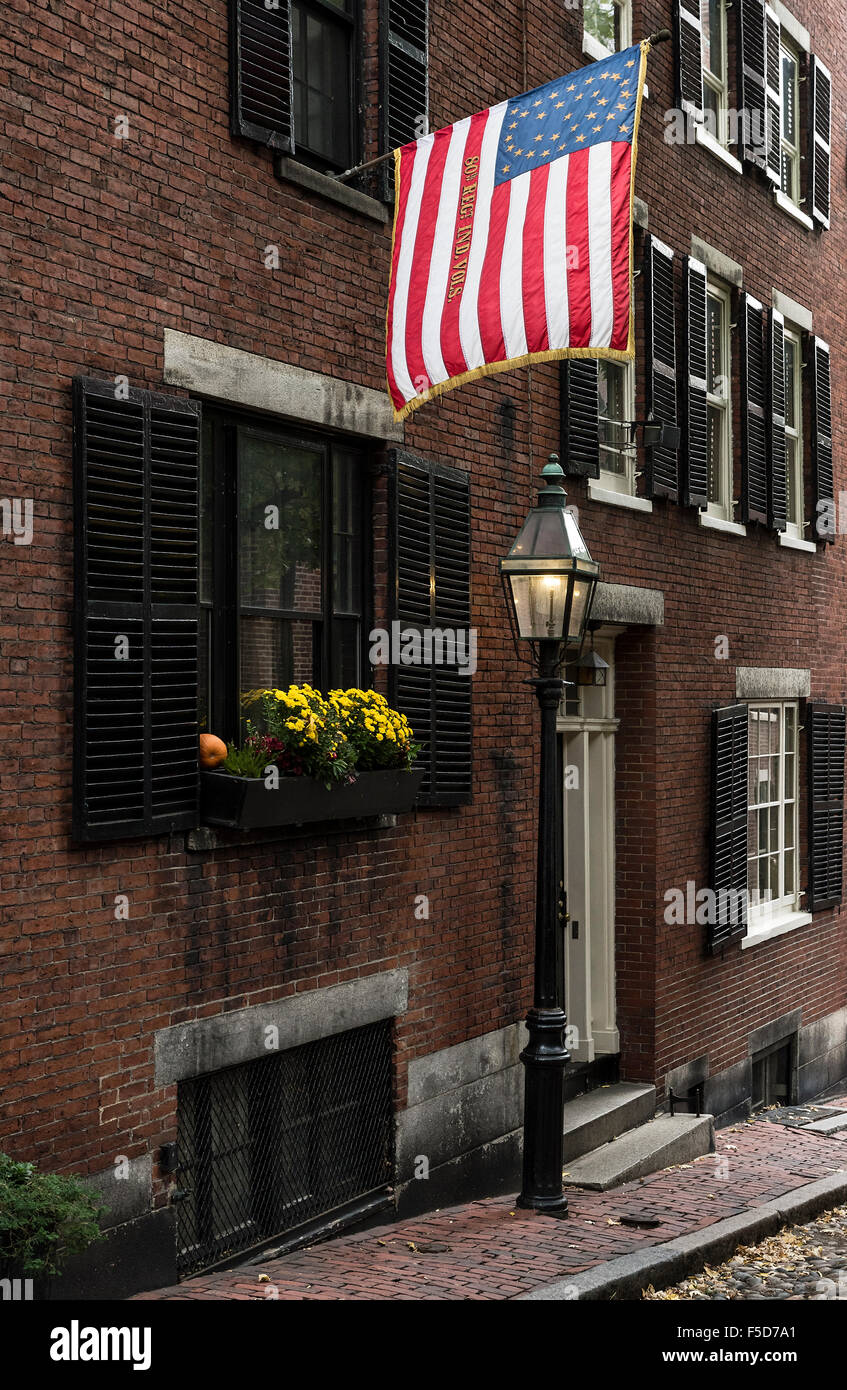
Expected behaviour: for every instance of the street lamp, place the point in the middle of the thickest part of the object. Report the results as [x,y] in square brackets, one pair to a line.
[549,578]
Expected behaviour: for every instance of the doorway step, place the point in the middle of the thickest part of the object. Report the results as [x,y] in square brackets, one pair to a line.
[612,1134]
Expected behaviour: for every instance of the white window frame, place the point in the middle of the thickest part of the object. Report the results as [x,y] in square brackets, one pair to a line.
[792,194]
[620,482]
[722,509]
[717,82]
[594,48]
[796,526]
[780,913]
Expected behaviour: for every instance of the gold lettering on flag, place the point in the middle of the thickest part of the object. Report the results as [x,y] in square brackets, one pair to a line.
[464,228]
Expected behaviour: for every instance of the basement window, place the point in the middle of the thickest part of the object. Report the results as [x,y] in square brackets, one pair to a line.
[276,1144]
[772,1076]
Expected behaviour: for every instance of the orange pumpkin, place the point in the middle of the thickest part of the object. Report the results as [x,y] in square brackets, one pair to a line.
[213,750]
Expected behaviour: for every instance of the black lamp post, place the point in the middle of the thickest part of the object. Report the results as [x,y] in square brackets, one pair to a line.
[549,578]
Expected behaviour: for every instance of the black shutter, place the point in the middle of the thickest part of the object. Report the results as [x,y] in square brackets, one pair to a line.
[820,123]
[662,462]
[136,560]
[689,56]
[777,483]
[823,479]
[580,417]
[404,76]
[431,589]
[825,730]
[729,826]
[261,72]
[751,79]
[754,434]
[773,101]
[696,457]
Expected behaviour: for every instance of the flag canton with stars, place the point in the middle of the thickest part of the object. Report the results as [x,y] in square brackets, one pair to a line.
[592,105]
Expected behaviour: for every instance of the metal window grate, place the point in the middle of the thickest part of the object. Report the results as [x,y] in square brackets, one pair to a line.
[269,1145]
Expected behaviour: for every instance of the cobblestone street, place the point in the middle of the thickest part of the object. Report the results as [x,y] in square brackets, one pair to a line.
[801,1262]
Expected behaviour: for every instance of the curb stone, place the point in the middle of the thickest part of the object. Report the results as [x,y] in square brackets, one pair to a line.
[663,1265]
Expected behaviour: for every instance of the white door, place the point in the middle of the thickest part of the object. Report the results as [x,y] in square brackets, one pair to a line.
[587,726]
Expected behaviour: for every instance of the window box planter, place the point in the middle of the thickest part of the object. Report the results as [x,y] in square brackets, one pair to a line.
[245,803]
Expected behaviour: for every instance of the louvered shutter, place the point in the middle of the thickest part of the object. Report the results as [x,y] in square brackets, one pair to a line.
[825,731]
[751,79]
[404,76]
[261,72]
[431,589]
[823,479]
[580,417]
[773,98]
[729,826]
[820,124]
[754,435]
[689,56]
[696,458]
[662,462]
[135,603]
[777,483]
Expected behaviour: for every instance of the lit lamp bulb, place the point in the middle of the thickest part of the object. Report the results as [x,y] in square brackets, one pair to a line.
[551,582]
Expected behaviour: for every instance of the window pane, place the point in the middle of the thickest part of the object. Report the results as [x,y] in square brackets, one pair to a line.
[713,57]
[790,478]
[714,449]
[714,340]
[612,396]
[276,652]
[279,525]
[602,21]
[346,534]
[790,359]
[321,83]
[789,91]
[345,654]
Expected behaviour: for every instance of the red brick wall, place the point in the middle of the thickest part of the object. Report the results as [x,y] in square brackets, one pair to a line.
[110,242]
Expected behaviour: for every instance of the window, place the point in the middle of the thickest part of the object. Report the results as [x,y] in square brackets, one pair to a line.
[789,124]
[608,27]
[772,864]
[792,356]
[293,71]
[268,1145]
[772,1076]
[718,404]
[615,388]
[323,33]
[715,69]
[282,572]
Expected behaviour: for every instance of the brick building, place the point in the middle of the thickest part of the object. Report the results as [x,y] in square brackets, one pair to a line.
[193,329]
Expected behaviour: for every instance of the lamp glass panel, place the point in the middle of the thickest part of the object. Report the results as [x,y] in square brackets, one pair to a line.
[540,602]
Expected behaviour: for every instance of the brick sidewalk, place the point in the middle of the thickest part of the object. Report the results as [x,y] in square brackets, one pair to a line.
[497,1252]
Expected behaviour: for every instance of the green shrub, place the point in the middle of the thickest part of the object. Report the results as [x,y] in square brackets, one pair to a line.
[43,1218]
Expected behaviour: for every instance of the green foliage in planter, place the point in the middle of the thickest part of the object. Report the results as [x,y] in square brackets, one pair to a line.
[246,762]
[43,1218]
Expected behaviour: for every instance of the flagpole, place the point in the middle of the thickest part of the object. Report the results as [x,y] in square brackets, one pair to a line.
[659,37]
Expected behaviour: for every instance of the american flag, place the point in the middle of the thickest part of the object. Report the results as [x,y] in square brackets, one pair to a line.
[512,234]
